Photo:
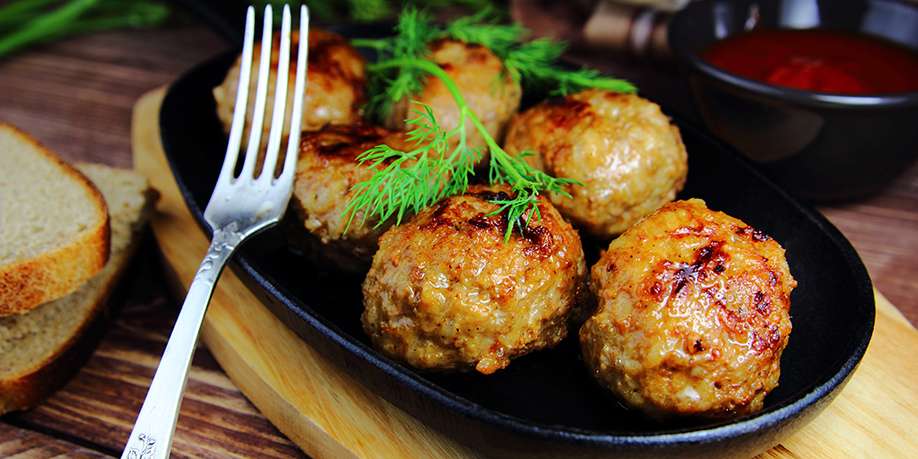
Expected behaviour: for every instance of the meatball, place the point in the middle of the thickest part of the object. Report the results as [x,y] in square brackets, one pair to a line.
[628,156]
[326,172]
[334,93]
[693,314]
[447,291]
[484,83]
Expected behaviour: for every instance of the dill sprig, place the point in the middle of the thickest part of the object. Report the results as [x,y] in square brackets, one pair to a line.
[483,28]
[441,160]
[441,163]
[535,63]
[411,180]
[527,183]
[413,32]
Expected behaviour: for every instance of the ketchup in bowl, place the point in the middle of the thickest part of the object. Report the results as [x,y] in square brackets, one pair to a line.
[818,60]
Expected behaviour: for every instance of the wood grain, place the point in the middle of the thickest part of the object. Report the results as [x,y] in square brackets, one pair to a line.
[26,444]
[330,414]
[76,96]
[875,414]
[99,405]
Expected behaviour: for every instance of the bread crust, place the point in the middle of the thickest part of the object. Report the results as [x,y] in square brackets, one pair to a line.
[33,385]
[28,283]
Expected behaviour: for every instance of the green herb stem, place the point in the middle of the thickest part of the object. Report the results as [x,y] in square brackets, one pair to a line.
[17,13]
[372,43]
[37,24]
[136,16]
[434,170]
[505,167]
[428,67]
[45,25]
[24,6]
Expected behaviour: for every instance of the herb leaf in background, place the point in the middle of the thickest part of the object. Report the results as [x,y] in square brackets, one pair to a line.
[369,10]
[25,22]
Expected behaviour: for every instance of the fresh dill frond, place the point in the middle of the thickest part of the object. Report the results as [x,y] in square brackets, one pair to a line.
[414,31]
[535,64]
[527,183]
[441,161]
[408,181]
[538,53]
[483,29]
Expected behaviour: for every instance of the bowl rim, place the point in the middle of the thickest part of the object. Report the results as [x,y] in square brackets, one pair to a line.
[678,28]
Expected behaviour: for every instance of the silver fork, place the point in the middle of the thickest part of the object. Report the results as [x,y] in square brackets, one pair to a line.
[239,207]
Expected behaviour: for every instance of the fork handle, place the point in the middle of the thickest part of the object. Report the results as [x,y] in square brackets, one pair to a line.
[155,425]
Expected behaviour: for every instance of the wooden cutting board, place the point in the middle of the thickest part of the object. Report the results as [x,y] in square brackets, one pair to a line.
[330,414]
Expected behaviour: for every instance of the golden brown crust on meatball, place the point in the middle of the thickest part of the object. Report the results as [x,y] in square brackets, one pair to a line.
[487,88]
[622,148]
[326,173]
[334,95]
[446,291]
[693,314]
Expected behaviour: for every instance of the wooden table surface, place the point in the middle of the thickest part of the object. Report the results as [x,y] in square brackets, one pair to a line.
[76,97]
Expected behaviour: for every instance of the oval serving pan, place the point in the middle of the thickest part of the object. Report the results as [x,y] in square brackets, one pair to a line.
[546,404]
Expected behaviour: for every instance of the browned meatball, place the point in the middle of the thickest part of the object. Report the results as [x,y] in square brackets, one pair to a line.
[693,314]
[326,173]
[335,90]
[446,291]
[480,75]
[622,148]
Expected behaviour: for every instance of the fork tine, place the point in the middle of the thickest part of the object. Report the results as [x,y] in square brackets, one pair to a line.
[242,96]
[293,140]
[280,99]
[251,152]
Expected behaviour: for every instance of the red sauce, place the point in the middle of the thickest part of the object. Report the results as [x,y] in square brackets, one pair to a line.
[818,60]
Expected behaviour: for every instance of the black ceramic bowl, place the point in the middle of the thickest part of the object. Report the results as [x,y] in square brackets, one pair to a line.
[546,404]
[820,146]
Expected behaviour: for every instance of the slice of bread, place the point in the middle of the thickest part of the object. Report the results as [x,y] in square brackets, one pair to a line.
[54,228]
[40,349]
